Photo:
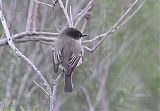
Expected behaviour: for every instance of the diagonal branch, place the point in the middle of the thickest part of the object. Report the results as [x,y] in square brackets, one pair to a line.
[65,12]
[80,15]
[25,59]
[43,3]
[19,54]
[91,107]
[114,28]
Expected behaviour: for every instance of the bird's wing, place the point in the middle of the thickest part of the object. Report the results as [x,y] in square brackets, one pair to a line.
[57,59]
[72,63]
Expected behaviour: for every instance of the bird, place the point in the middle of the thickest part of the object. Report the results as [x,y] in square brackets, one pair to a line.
[67,54]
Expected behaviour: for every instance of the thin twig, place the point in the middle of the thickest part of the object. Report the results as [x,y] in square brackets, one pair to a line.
[79,16]
[54,90]
[12,16]
[35,36]
[84,25]
[66,5]
[65,12]
[55,82]
[115,27]
[43,3]
[40,87]
[35,16]
[30,18]
[91,108]
[135,11]
[70,13]
[19,54]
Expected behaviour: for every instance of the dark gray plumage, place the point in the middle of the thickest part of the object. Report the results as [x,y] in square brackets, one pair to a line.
[67,52]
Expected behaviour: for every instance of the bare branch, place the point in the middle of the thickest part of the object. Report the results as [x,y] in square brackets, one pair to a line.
[19,54]
[54,90]
[79,16]
[32,16]
[35,36]
[25,59]
[135,11]
[84,25]
[43,3]
[115,27]
[91,108]
[65,12]
[40,87]
[35,16]
[55,83]
[66,5]
[70,13]
[12,16]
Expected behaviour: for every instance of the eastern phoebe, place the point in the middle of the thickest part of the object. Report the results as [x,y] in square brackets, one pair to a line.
[67,53]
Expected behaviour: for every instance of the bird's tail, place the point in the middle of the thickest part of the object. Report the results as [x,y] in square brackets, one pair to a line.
[68,84]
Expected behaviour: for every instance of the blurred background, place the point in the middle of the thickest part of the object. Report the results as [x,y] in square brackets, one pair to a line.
[123,74]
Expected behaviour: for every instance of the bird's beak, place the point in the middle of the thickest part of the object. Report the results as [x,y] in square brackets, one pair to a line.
[84,35]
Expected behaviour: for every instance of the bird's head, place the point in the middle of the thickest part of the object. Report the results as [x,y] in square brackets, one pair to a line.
[72,33]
